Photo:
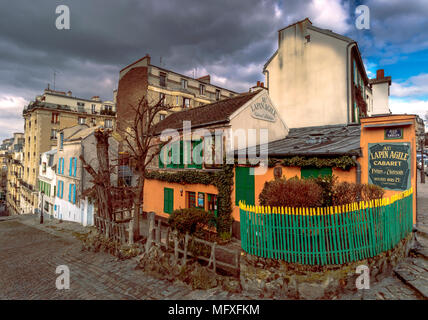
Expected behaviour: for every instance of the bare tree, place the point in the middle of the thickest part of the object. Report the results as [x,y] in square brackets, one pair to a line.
[101,179]
[141,144]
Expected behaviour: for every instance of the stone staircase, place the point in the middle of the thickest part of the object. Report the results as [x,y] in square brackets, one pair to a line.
[413,271]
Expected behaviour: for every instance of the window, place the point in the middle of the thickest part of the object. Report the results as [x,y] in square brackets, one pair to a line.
[212,203]
[162,117]
[72,193]
[217,94]
[162,79]
[93,109]
[162,98]
[61,140]
[183,83]
[202,89]
[44,167]
[191,199]
[81,120]
[108,123]
[186,103]
[168,200]
[93,121]
[201,200]
[60,189]
[55,117]
[80,104]
[53,134]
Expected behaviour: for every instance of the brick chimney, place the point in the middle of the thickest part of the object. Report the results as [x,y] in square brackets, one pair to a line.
[380,74]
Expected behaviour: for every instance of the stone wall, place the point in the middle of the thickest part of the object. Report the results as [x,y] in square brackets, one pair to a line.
[277,279]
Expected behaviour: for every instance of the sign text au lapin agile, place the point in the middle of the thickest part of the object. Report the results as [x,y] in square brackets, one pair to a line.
[389,165]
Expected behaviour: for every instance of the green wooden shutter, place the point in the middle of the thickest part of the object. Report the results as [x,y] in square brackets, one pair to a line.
[244,186]
[313,172]
[168,200]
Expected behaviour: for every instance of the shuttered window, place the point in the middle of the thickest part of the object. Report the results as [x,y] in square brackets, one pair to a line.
[168,200]
[244,185]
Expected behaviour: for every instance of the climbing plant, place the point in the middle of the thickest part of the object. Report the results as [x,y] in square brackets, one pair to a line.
[343,162]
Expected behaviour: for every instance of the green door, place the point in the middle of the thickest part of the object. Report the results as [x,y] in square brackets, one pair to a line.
[312,172]
[168,200]
[244,185]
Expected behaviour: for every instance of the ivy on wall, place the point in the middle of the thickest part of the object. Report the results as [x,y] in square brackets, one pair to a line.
[343,162]
[221,179]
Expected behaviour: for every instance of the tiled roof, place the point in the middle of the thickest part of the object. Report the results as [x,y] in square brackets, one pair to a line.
[206,114]
[317,141]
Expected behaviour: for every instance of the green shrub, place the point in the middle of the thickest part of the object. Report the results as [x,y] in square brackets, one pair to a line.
[327,184]
[191,220]
[291,193]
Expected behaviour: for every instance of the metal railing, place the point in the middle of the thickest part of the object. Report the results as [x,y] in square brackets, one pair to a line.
[330,235]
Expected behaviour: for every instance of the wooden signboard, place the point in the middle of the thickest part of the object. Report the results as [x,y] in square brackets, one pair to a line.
[389,165]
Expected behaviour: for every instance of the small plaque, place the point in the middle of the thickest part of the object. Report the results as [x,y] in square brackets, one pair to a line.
[393,133]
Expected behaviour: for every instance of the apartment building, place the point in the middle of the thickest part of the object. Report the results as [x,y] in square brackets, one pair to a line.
[317,77]
[44,118]
[14,172]
[70,202]
[47,181]
[142,78]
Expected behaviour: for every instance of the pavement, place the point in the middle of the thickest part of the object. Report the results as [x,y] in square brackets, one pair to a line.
[30,254]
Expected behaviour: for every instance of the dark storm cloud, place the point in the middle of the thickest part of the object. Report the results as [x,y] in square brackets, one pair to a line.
[231,40]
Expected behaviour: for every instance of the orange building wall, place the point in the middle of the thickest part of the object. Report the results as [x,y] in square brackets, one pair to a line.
[154,193]
[376,135]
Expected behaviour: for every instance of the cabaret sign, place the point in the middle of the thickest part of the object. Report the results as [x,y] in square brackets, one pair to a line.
[263,110]
[389,165]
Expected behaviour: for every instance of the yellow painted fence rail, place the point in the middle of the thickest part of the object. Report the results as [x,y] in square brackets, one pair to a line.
[329,235]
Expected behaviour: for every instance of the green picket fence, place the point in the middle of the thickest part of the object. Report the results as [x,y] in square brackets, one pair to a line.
[330,235]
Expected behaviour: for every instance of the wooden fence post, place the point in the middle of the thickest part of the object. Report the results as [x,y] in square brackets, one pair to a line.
[151,216]
[175,247]
[186,242]
[167,237]
[158,232]
[131,232]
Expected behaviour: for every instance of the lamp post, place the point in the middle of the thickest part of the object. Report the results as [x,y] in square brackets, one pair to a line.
[41,211]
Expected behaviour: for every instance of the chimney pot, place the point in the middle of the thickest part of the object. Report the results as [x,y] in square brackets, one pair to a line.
[262,85]
[258,83]
[380,74]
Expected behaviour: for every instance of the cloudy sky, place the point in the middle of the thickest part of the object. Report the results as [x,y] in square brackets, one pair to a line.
[231,40]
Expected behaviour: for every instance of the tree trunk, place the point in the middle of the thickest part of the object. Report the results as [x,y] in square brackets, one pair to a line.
[139,200]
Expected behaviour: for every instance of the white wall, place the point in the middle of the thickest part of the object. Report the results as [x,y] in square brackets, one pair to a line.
[307,80]
[380,98]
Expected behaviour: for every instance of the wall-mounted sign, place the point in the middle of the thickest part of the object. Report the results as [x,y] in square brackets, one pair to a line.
[389,165]
[393,133]
[263,110]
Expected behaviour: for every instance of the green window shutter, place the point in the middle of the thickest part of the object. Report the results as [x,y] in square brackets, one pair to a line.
[244,186]
[313,172]
[168,200]
[181,165]
[161,156]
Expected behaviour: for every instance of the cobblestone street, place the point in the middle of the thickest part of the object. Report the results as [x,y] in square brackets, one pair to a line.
[29,257]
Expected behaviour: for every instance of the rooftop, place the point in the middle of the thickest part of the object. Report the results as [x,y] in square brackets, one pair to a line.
[217,112]
[329,140]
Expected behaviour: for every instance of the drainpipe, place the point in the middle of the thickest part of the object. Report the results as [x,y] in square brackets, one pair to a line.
[267,78]
[347,77]
[358,173]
